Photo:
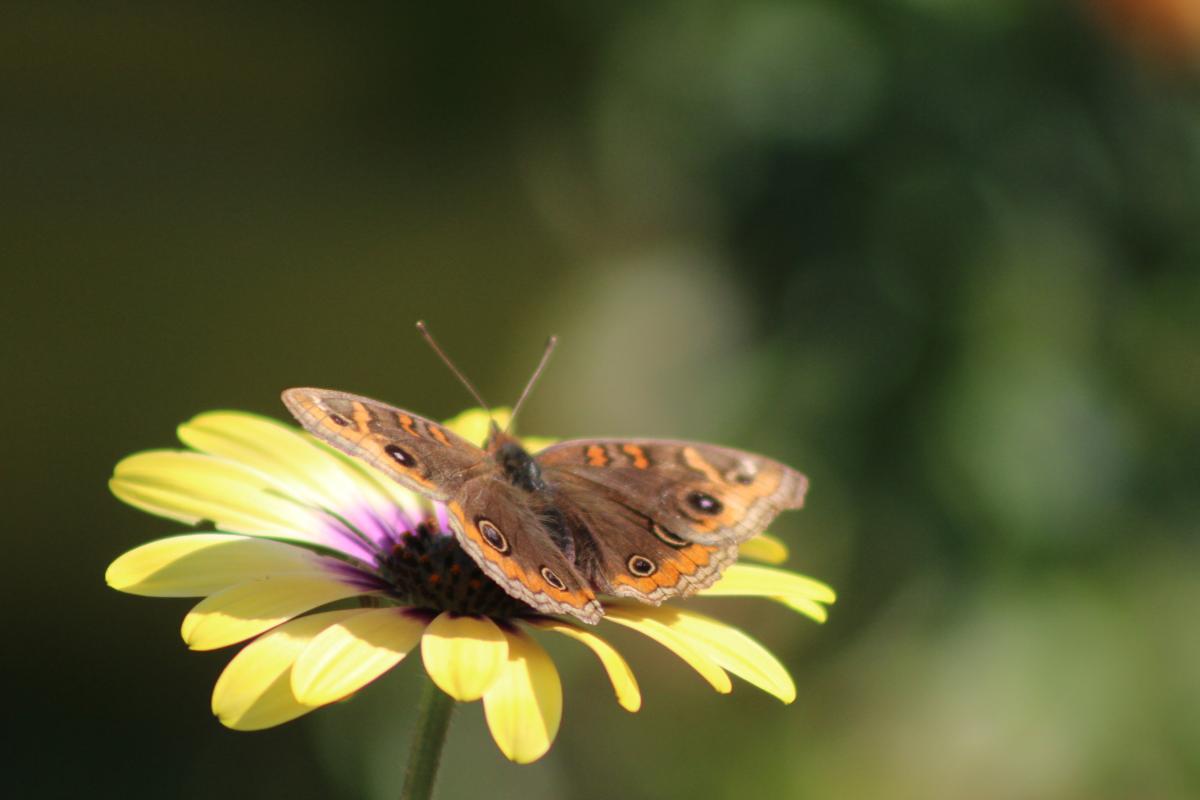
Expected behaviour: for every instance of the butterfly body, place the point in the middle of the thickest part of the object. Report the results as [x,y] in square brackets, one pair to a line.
[519,467]
[646,519]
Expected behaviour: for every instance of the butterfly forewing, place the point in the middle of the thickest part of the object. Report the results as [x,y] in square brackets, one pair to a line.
[698,492]
[418,453]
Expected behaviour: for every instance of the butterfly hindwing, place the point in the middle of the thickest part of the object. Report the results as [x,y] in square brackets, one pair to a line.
[507,537]
[626,553]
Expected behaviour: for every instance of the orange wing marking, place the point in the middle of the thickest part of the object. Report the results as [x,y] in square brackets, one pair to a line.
[697,462]
[596,456]
[362,418]
[637,454]
[671,571]
[406,422]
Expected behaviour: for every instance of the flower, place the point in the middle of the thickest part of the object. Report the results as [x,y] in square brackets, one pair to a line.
[334,574]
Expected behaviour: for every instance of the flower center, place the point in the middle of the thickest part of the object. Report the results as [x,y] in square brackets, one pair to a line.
[429,569]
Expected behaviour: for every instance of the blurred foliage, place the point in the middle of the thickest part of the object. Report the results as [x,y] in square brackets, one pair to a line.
[939,255]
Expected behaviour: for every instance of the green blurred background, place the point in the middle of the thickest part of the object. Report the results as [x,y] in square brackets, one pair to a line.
[941,256]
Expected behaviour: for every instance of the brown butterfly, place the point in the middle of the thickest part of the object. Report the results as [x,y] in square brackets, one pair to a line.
[638,518]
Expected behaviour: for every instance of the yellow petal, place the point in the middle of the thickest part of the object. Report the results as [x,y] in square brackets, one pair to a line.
[316,473]
[375,480]
[474,424]
[255,690]
[524,705]
[765,548]
[192,487]
[347,656]
[250,608]
[802,605]
[623,682]
[728,647]
[636,617]
[463,655]
[535,444]
[754,581]
[200,564]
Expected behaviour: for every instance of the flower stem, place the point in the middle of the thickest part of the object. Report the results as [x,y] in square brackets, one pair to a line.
[433,720]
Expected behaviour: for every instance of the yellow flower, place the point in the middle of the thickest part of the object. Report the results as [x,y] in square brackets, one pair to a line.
[334,574]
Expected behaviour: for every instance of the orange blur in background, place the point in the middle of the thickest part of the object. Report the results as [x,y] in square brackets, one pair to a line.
[1167,29]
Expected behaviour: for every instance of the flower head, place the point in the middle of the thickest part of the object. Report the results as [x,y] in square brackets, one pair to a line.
[334,574]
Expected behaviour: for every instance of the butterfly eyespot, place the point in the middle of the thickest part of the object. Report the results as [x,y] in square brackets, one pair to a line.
[552,579]
[338,419]
[666,537]
[705,503]
[492,535]
[400,456]
[641,566]
[738,476]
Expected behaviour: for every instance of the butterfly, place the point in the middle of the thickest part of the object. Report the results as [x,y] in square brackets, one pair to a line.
[642,518]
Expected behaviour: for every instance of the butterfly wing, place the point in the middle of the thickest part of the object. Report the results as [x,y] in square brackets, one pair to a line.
[505,532]
[627,552]
[696,492]
[657,519]
[419,454]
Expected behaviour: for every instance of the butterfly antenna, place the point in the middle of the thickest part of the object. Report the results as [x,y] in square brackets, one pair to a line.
[551,343]
[457,372]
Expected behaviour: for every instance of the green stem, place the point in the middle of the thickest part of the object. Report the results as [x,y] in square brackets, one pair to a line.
[433,720]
